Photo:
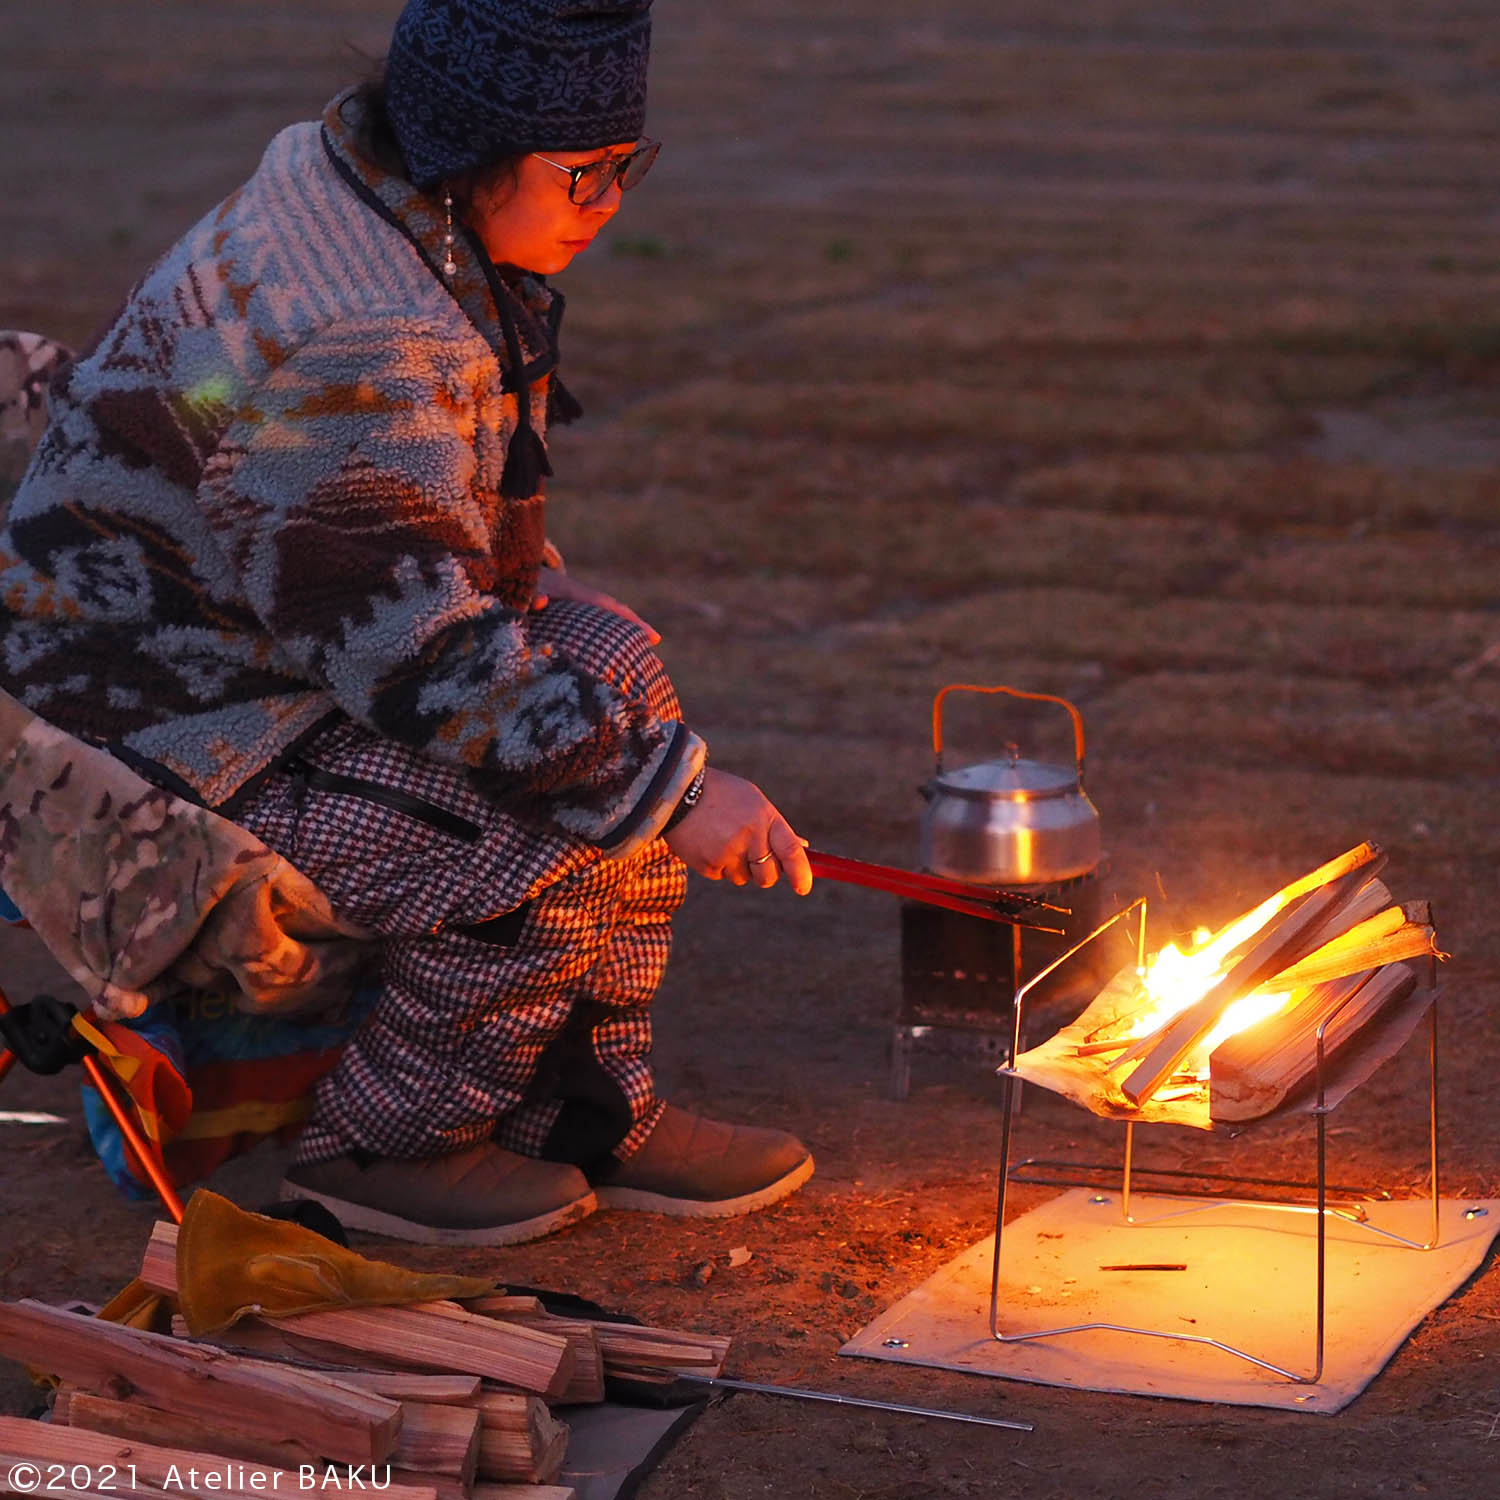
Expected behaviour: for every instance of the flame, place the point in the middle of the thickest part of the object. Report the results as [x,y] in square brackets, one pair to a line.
[1239,1016]
[1175,979]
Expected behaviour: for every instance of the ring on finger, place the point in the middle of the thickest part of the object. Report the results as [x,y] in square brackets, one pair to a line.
[769,854]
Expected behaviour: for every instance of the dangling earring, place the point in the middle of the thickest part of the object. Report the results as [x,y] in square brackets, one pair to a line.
[450,266]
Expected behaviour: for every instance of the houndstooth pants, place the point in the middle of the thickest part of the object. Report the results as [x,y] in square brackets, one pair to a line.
[517,965]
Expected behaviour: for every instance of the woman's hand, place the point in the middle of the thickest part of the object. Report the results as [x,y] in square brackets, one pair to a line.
[732,830]
[552,584]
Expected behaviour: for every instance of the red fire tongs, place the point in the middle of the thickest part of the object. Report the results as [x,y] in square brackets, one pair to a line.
[994,903]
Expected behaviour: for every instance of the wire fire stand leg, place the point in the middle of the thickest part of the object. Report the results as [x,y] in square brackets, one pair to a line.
[1321,1209]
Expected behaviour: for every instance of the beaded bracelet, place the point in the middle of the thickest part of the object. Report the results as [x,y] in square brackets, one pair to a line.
[687,804]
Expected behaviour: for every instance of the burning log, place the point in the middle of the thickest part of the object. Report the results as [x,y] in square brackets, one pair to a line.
[1390,936]
[1372,897]
[1366,857]
[1231,1024]
[1278,940]
[1254,1071]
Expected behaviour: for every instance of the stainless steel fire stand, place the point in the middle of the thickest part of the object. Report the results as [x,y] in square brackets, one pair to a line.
[1321,1208]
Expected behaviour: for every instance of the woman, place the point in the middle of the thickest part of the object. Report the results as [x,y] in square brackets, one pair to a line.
[282,550]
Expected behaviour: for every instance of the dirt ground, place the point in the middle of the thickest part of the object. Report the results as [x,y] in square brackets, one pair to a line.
[1145,354]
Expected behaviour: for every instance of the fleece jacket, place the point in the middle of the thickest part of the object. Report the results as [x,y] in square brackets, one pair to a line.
[275,491]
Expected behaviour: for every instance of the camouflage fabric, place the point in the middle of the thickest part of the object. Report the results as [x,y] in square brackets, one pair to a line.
[28,364]
[138,894]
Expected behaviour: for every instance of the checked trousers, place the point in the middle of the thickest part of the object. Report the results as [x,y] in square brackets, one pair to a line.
[517,965]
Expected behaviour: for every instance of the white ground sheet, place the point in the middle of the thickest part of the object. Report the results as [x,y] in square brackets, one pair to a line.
[1249,1282]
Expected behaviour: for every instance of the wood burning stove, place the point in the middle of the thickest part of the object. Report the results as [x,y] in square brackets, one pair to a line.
[961,973]
[1023,825]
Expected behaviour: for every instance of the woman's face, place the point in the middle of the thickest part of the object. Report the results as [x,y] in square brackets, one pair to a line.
[533,223]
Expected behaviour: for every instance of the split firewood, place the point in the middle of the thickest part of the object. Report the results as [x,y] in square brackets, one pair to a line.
[1370,858]
[330,1361]
[505,1305]
[629,1348]
[586,1385]
[422,1336]
[408,1385]
[439,1440]
[442,1486]
[171,1429]
[110,1465]
[159,1262]
[438,1446]
[1253,1072]
[586,1388]
[1281,941]
[263,1400]
[252,1336]
[1390,936]
[1373,897]
[519,1439]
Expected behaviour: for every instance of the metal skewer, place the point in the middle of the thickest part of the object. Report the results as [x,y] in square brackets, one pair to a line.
[803,1395]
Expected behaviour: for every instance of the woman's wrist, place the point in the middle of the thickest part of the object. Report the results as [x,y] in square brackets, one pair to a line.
[687,802]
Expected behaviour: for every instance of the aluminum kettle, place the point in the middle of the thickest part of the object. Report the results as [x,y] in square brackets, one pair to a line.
[1011,821]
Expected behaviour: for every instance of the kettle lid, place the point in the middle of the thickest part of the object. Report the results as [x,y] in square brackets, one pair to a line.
[1009,780]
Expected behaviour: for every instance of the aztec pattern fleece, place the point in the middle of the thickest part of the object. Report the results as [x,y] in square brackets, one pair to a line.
[271,497]
[28,365]
[532,1028]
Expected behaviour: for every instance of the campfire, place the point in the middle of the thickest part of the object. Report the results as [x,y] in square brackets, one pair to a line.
[1234,1023]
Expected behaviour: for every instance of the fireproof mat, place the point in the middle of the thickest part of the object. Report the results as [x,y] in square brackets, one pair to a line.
[611,1448]
[1249,1282]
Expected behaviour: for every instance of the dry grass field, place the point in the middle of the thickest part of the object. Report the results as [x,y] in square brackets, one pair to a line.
[1147,354]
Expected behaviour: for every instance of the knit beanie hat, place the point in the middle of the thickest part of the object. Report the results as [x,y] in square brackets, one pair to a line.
[471,81]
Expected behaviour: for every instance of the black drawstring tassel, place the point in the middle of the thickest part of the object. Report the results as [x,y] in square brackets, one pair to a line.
[525,460]
[562,404]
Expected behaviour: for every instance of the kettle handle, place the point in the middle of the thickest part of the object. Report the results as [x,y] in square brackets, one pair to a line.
[969,687]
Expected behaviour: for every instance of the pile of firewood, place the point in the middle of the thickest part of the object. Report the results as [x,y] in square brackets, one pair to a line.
[430,1401]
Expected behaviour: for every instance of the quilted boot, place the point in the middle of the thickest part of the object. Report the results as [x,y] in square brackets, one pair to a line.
[483,1196]
[697,1168]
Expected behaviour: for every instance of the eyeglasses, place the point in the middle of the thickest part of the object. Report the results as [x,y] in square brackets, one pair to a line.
[590,182]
